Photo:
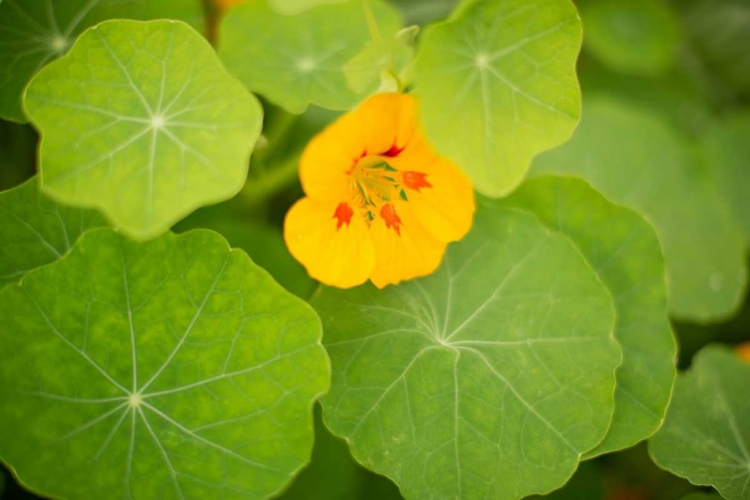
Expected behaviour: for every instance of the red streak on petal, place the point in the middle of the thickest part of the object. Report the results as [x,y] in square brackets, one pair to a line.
[416,180]
[393,152]
[391,218]
[343,215]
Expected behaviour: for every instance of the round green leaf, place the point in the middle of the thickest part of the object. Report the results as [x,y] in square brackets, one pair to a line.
[35,230]
[488,379]
[637,160]
[299,60]
[34,32]
[633,36]
[175,368]
[498,86]
[141,120]
[624,251]
[727,151]
[706,435]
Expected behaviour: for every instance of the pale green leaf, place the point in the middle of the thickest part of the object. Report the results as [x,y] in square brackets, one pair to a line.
[726,149]
[498,86]
[706,435]
[141,120]
[632,36]
[34,32]
[175,368]
[624,251]
[489,378]
[383,60]
[295,61]
[637,160]
[35,230]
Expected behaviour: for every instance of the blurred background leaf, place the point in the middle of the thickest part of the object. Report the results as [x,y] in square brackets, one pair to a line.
[17,153]
[638,37]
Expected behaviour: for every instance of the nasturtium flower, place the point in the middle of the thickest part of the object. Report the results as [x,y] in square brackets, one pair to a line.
[380,203]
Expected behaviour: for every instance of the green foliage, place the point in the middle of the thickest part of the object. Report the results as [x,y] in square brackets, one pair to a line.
[35,230]
[141,121]
[17,145]
[471,382]
[34,32]
[702,496]
[498,86]
[633,36]
[727,151]
[676,96]
[624,251]
[175,366]
[586,484]
[300,60]
[720,32]
[539,359]
[383,61]
[706,435]
[262,242]
[334,475]
[637,160]
[292,7]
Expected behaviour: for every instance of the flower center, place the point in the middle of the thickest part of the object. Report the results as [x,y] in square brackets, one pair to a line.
[374,183]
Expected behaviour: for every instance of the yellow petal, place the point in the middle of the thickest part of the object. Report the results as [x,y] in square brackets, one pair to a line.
[335,249]
[445,206]
[329,157]
[403,249]
[387,121]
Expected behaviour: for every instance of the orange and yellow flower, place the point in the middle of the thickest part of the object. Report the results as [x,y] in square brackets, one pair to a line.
[380,204]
